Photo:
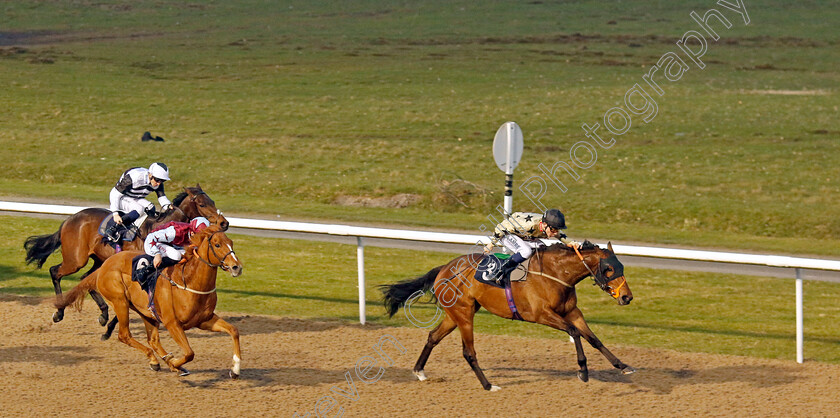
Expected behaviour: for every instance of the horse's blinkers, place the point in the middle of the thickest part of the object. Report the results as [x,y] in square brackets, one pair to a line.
[601,279]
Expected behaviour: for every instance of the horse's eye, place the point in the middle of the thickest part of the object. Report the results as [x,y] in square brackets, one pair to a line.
[201,206]
[218,246]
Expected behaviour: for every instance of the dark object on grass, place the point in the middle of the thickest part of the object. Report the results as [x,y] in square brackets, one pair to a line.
[147,136]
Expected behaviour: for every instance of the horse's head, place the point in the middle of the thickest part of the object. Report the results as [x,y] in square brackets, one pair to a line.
[214,248]
[195,202]
[610,276]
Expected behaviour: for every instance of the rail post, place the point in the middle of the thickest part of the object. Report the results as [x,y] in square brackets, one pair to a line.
[800,335]
[360,261]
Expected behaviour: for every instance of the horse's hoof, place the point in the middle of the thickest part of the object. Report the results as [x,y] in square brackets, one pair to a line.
[233,375]
[105,337]
[495,388]
[583,376]
[421,375]
[155,367]
[628,370]
[103,320]
[183,372]
[58,316]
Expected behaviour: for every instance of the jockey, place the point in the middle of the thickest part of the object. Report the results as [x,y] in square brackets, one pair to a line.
[166,244]
[129,195]
[513,232]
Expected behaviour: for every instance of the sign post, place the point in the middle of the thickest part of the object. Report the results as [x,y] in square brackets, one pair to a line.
[507,151]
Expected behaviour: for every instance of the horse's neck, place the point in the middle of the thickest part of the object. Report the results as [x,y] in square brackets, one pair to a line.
[568,266]
[188,208]
[199,275]
[150,223]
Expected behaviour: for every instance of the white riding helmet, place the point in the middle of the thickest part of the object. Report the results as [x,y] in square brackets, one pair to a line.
[199,223]
[159,171]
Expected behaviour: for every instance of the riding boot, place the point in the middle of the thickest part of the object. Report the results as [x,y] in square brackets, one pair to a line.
[112,232]
[152,284]
[509,266]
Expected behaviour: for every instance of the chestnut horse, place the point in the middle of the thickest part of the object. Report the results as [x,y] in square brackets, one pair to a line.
[79,240]
[186,300]
[547,297]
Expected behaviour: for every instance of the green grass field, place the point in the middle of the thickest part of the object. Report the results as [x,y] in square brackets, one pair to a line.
[305,109]
[684,311]
[289,109]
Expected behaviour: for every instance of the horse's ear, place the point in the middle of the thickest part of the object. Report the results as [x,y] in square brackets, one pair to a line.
[198,186]
[609,246]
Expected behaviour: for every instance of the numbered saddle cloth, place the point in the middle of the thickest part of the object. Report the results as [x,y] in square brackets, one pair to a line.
[490,265]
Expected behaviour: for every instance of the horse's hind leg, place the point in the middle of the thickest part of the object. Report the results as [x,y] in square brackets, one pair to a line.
[464,319]
[153,338]
[576,318]
[217,324]
[100,301]
[72,260]
[435,336]
[109,329]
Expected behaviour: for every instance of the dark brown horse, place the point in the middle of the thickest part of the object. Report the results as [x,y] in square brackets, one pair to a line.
[79,240]
[187,300]
[546,297]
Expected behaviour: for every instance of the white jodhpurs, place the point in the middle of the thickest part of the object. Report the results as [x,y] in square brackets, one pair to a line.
[519,246]
[127,204]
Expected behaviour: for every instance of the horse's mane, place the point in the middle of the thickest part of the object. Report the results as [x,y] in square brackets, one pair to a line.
[205,233]
[183,195]
[180,198]
[560,247]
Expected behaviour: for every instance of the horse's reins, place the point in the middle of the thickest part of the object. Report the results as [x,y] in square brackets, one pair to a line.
[540,273]
[183,267]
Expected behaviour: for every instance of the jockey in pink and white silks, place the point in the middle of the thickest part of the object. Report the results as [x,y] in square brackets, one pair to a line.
[166,246]
[520,234]
[129,194]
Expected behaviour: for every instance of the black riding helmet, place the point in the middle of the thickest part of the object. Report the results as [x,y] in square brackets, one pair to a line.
[555,219]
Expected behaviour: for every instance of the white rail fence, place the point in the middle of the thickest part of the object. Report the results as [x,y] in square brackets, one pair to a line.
[797,263]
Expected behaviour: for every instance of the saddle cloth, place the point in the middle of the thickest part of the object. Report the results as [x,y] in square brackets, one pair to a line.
[124,234]
[490,264]
[138,266]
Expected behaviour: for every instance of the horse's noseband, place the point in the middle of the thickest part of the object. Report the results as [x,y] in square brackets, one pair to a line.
[221,259]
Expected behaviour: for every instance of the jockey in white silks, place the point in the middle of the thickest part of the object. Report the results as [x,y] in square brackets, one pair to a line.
[129,195]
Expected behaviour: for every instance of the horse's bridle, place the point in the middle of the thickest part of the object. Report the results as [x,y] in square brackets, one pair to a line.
[221,259]
[202,192]
[601,280]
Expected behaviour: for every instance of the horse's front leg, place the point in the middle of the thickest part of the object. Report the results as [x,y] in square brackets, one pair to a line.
[176,331]
[217,324]
[575,317]
[556,321]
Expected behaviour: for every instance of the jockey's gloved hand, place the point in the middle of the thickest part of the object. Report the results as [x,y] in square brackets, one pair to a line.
[166,208]
[151,211]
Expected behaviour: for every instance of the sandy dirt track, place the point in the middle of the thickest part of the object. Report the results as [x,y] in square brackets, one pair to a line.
[289,364]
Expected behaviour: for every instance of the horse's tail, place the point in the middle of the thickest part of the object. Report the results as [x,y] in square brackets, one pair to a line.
[39,247]
[396,294]
[76,295]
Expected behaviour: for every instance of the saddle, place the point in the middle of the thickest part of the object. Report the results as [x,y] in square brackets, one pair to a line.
[122,233]
[490,264]
[143,271]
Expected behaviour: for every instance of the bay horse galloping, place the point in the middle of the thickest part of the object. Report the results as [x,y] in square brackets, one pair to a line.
[186,300]
[79,239]
[547,297]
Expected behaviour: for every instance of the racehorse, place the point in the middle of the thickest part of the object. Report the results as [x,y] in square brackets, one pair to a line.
[186,300]
[79,239]
[547,297]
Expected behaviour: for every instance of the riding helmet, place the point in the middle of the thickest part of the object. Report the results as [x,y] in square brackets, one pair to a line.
[199,223]
[159,171]
[555,219]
